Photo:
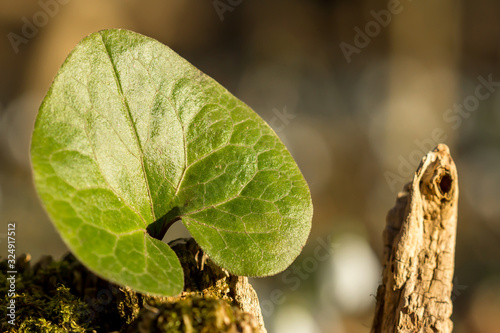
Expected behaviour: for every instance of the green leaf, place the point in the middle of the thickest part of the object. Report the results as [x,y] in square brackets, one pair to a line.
[131,137]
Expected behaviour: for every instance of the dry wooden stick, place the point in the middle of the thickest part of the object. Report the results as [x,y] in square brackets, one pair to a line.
[419,251]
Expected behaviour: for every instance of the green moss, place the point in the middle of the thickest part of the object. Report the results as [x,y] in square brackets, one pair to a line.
[193,314]
[64,310]
[43,303]
[63,296]
[61,312]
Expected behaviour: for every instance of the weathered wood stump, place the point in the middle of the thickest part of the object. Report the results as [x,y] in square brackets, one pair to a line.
[419,240]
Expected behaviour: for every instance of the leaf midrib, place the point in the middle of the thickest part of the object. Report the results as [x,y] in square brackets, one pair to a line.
[141,154]
[136,135]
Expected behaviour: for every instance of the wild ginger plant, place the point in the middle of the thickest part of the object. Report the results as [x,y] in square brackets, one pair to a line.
[131,138]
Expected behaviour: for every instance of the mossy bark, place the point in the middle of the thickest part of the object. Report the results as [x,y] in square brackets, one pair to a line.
[64,296]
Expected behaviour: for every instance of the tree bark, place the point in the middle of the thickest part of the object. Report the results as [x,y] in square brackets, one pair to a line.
[211,295]
[419,241]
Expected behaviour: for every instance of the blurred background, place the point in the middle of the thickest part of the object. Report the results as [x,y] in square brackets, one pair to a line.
[358,90]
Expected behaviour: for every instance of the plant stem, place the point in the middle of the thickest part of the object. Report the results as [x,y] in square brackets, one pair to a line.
[159,228]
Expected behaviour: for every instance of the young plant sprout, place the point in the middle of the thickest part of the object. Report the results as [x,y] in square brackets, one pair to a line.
[131,138]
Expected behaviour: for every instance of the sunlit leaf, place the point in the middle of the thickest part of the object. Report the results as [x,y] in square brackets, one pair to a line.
[131,137]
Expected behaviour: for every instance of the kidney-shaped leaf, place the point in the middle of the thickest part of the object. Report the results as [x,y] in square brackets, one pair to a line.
[131,137]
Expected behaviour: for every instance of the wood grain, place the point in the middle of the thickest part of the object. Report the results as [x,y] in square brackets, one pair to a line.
[419,240]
